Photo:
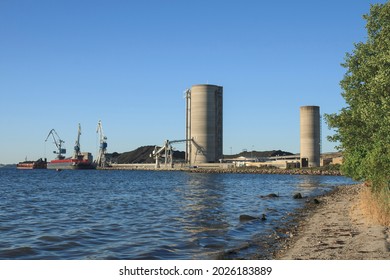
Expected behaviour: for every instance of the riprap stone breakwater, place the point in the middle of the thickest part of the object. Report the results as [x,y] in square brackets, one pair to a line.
[269,171]
[222,170]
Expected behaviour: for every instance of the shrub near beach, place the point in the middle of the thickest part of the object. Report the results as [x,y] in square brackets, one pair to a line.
[363,127]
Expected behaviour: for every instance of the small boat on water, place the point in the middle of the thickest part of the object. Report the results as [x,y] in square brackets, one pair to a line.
[30,164]
[79,160]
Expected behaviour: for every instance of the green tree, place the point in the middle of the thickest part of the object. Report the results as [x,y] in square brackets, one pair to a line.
[363,127]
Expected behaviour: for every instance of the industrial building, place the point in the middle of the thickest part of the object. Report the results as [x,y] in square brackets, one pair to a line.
[204,125]
[310,145]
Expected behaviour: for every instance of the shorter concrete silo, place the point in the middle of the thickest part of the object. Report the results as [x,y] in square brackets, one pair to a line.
[310,133]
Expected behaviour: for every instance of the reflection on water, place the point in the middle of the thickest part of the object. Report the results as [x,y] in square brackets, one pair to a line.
[201,201]
[310,181]
[141,215]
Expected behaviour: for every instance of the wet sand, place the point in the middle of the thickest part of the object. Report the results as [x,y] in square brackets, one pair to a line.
[336,229]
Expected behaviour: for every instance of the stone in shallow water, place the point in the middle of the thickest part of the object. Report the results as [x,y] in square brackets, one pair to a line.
[297,196]
[246,218]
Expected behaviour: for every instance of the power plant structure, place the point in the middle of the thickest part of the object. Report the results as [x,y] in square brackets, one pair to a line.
[310,134]
[204,131]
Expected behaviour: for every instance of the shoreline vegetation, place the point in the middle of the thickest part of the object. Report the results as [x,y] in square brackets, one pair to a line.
[364,137]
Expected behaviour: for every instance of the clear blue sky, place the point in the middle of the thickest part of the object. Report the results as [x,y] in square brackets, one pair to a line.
[128,63]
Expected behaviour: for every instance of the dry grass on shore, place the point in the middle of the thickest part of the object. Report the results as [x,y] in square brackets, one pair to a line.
[375,207]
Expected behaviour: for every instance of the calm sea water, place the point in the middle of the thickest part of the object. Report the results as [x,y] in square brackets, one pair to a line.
[91,214]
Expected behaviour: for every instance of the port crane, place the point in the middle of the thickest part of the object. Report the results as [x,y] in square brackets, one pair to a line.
[101,158]
[77,144]
[58,142]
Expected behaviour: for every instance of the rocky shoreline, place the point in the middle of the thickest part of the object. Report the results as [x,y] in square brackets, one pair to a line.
[329,227]
[236,170]
[269,246]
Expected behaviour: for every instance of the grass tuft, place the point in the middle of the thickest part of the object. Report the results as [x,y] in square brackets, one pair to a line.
[376,206]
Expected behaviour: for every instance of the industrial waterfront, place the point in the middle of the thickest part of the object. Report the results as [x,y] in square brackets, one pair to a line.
[127,211]
[91,214]
[203,142]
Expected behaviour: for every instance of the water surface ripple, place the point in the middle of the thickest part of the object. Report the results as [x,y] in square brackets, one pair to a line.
[92,214]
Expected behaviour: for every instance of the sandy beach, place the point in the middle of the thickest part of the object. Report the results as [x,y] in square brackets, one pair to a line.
[337,229]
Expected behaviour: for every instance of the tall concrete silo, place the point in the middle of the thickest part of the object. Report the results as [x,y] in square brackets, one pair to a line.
[310,136]
[204,124]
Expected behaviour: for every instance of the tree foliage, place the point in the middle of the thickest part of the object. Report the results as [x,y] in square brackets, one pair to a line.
[363,127]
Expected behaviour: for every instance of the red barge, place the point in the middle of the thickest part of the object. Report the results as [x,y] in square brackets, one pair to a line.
[30,164]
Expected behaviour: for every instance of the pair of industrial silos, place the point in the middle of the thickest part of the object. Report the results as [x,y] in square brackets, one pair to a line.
[204,127]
